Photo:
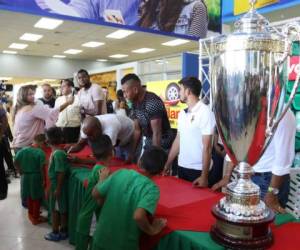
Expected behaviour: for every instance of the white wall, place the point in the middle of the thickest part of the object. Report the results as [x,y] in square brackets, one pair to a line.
[45,67]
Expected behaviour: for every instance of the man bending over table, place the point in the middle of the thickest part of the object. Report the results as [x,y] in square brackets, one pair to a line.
[119,128]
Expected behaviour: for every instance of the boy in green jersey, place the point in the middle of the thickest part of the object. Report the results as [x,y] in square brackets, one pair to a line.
[102,149]
[127,199]
[58,173]
[30,161]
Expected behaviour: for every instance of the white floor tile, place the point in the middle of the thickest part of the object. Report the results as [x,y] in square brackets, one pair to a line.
[16,232]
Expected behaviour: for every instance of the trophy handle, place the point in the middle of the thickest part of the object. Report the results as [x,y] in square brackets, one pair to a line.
[287,30]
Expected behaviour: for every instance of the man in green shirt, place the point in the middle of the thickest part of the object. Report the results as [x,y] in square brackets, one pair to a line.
[103,151]
[127,198]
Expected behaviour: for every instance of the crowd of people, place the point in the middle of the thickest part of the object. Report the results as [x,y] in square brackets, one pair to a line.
[138,131]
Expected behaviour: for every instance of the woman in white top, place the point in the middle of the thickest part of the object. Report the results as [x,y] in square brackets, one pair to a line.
[119,105]
[69,118]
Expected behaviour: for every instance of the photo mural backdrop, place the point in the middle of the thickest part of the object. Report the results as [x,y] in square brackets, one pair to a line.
[190,18]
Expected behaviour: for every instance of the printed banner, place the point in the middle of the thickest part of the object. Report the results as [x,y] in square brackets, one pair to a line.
[192,18]
[168,91]
[294,68]
[242,6]
[232,8]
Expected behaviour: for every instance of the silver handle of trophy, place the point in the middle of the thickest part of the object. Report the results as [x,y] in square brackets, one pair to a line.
[289,37]
[288,28]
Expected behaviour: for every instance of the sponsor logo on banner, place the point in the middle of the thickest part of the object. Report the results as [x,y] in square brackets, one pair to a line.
[242,6]
[168,91]
[294,68]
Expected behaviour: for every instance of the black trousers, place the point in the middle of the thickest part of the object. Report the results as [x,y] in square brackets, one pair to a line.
[8,155]
[3,181]
[188,174]
[215,174]
[71,134]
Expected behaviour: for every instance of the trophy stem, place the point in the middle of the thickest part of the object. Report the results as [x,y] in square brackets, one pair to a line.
[242,218]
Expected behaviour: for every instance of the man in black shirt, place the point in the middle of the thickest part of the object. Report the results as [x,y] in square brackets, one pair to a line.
[48,95]
[149,115]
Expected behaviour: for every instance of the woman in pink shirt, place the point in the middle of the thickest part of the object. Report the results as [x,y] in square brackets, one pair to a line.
[31,118]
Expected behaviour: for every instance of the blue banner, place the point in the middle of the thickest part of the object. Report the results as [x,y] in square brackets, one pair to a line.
[189,18]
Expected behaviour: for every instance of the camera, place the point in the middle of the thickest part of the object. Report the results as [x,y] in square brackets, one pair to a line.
[3,88]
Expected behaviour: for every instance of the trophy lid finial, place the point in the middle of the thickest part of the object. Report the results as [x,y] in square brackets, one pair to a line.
[252,21]
[252,3]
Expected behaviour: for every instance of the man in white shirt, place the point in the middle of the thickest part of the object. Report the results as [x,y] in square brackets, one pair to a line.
[91,96]
[271,172]
[119,128]
[69,118]
[193,142]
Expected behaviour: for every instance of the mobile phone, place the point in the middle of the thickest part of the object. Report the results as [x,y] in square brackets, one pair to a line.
[56,206]
[73,92]
[113,16]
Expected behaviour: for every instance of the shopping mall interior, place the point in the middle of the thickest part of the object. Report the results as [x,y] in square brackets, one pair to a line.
[149,124]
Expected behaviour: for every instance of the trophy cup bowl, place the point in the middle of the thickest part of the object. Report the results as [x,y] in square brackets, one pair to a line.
[248,78]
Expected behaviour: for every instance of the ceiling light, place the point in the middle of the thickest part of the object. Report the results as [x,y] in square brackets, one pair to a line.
[49,80]
[118,56]
[101,60]
[9,52]
[18,46]
[73,51]
[92,44]
[143,50]
[5,78]
[120,34]
[48,23]
[30,37]
[59,56]
[175,42]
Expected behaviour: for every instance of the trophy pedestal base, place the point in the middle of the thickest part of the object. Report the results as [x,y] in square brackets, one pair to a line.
[237,235]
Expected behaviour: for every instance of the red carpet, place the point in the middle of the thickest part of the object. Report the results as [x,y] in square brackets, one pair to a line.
[191,213]
[287,237]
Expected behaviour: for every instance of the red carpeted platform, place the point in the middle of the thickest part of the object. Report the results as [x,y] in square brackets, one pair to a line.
[188,208]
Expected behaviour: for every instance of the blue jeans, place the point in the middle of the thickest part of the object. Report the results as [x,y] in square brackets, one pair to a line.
[121,152]
[263,180]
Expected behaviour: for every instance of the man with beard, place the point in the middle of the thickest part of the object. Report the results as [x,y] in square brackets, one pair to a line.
[91,97]
[149,115]
[48,95]
[193,143]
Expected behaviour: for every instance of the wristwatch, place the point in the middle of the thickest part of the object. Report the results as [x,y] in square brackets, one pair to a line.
[274,191]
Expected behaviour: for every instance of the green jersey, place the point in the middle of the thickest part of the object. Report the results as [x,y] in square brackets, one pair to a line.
[58,164]
[124,192]
[89,205]
[31,161]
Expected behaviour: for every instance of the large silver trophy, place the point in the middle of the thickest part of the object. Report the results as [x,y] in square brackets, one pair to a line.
[248,75]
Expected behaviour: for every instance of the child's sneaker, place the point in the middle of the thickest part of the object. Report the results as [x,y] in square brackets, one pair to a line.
[63,235]
[52,236]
